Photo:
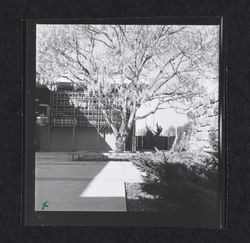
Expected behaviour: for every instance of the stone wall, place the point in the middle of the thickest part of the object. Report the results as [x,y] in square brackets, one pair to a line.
[205,118]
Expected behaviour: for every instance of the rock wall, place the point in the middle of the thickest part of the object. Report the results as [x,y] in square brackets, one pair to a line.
[205,118]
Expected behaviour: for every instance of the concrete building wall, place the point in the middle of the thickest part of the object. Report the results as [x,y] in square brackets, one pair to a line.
[61,139]
[110,140]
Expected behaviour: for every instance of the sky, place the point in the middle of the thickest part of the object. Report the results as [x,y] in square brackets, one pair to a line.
[164,118]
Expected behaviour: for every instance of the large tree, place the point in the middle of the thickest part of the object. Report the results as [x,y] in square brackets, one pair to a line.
[129,66]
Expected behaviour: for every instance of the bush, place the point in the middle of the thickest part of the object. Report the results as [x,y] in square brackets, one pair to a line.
[182,185]
[184,134]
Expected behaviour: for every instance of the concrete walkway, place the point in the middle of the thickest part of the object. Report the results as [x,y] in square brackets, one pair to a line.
[82,185]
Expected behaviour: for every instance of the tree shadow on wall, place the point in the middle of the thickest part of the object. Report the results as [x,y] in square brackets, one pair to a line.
[87,135]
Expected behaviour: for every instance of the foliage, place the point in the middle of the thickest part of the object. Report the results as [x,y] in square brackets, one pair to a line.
[136,200]
[213,160]
[180,184]
[153,139]
[184,134]
[151,133]
[213,138]
[128,66]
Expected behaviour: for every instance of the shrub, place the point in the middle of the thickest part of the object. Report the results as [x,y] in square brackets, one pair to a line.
[184,134]
[212,159]
[184,185]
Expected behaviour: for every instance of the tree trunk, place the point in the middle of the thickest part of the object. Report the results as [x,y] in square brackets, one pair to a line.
[175,139]
[120,144]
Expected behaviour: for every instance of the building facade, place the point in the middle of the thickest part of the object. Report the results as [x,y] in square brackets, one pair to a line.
[71,120]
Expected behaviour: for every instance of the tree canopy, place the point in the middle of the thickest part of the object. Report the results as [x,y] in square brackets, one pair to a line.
[128,66]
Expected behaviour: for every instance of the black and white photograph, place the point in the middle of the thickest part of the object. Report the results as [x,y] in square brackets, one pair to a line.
[127,119]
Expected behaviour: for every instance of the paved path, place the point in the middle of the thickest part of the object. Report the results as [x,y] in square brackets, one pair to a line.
[82,185]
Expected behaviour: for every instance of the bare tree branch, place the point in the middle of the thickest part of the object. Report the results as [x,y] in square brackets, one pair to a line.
[127,66]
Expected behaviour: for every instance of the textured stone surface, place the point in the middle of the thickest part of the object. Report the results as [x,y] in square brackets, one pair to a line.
[206,111]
